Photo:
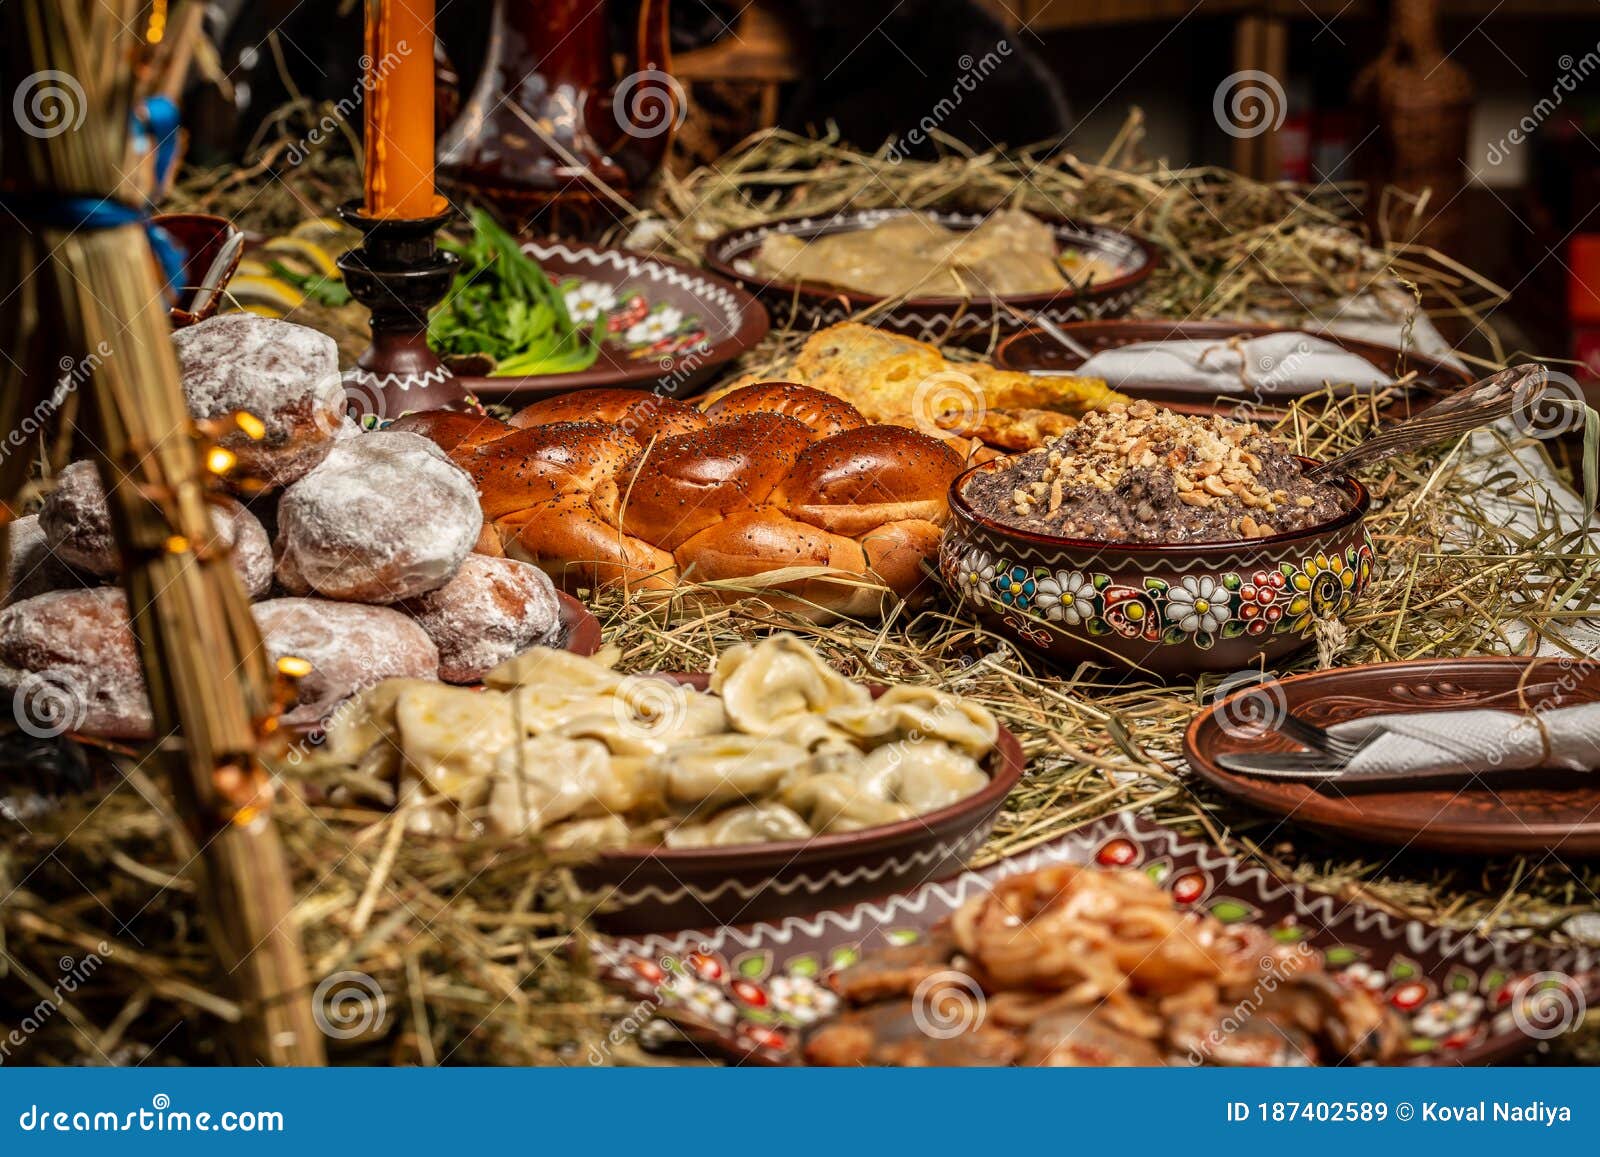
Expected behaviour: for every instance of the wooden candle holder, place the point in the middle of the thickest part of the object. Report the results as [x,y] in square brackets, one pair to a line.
[399,273]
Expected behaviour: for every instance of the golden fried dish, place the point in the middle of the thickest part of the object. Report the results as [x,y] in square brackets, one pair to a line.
[896,379]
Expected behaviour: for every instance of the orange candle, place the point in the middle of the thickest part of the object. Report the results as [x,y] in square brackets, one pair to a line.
[399,83]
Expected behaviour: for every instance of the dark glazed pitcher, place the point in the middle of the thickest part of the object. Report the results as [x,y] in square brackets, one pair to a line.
[550,124]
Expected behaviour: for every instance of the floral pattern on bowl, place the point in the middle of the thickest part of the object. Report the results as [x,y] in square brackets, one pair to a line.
[751,991]
[1163,609]
[1197,608]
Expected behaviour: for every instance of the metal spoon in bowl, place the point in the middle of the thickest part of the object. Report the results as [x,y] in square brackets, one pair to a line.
[1508,392]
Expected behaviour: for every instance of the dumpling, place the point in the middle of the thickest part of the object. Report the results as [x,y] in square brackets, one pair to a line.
[572,675]
[812,732]
[759,824]
[427,814]
[919,713]
[723,768]
[925,776]
[765,684]
[362,736]
[551,687]
[451,737]
[587,835]
[543,780]
[835,756]
[652,714]
[838,801]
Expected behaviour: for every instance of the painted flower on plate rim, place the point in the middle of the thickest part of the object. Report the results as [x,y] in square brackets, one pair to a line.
[589,300]
[1448,1015]
[802,998]
[664,322]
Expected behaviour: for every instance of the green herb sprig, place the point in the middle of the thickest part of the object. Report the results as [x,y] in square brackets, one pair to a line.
[502,305]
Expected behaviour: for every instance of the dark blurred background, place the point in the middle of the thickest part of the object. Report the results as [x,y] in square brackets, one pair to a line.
[1529,172]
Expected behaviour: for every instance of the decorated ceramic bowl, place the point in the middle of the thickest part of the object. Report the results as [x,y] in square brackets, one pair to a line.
[660,889]
[1164,610]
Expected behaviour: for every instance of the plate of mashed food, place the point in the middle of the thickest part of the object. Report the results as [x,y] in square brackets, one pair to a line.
[936,275]
[1121,944]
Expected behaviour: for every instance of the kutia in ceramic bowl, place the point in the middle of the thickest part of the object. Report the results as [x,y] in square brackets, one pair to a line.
[648,889]
[1161,609]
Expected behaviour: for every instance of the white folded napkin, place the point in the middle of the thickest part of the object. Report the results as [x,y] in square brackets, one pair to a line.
[1279,361]
[1468,741]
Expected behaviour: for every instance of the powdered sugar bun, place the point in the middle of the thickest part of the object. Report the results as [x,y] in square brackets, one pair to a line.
[349,647]
[286,375]
[493,609]
[250,550]
[386,516]
[68,662]
[77,522]
[31,566]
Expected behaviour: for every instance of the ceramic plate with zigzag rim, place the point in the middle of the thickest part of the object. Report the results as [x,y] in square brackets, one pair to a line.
[669,326]
[745,994]
[805,306]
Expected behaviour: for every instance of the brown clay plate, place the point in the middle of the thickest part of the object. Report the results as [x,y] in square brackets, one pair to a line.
[746,993]
[648,889]
[1505,813]
[669,325]
[1035,350]
[580,630]
[804,306]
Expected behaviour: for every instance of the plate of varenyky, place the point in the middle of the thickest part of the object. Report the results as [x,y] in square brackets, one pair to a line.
[790,991]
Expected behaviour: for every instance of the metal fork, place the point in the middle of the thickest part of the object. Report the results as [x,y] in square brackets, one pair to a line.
[1319,739]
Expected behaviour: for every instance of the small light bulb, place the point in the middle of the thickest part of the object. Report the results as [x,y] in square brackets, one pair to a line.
[294,666]
[220,461]
[253,426]
[177,544]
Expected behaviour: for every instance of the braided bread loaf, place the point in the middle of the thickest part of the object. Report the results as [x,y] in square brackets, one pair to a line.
[619,487]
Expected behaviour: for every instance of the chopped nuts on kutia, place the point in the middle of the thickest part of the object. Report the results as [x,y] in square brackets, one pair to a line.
[1140,473]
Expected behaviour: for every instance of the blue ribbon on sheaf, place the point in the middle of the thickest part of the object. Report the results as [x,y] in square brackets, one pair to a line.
[155,126]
